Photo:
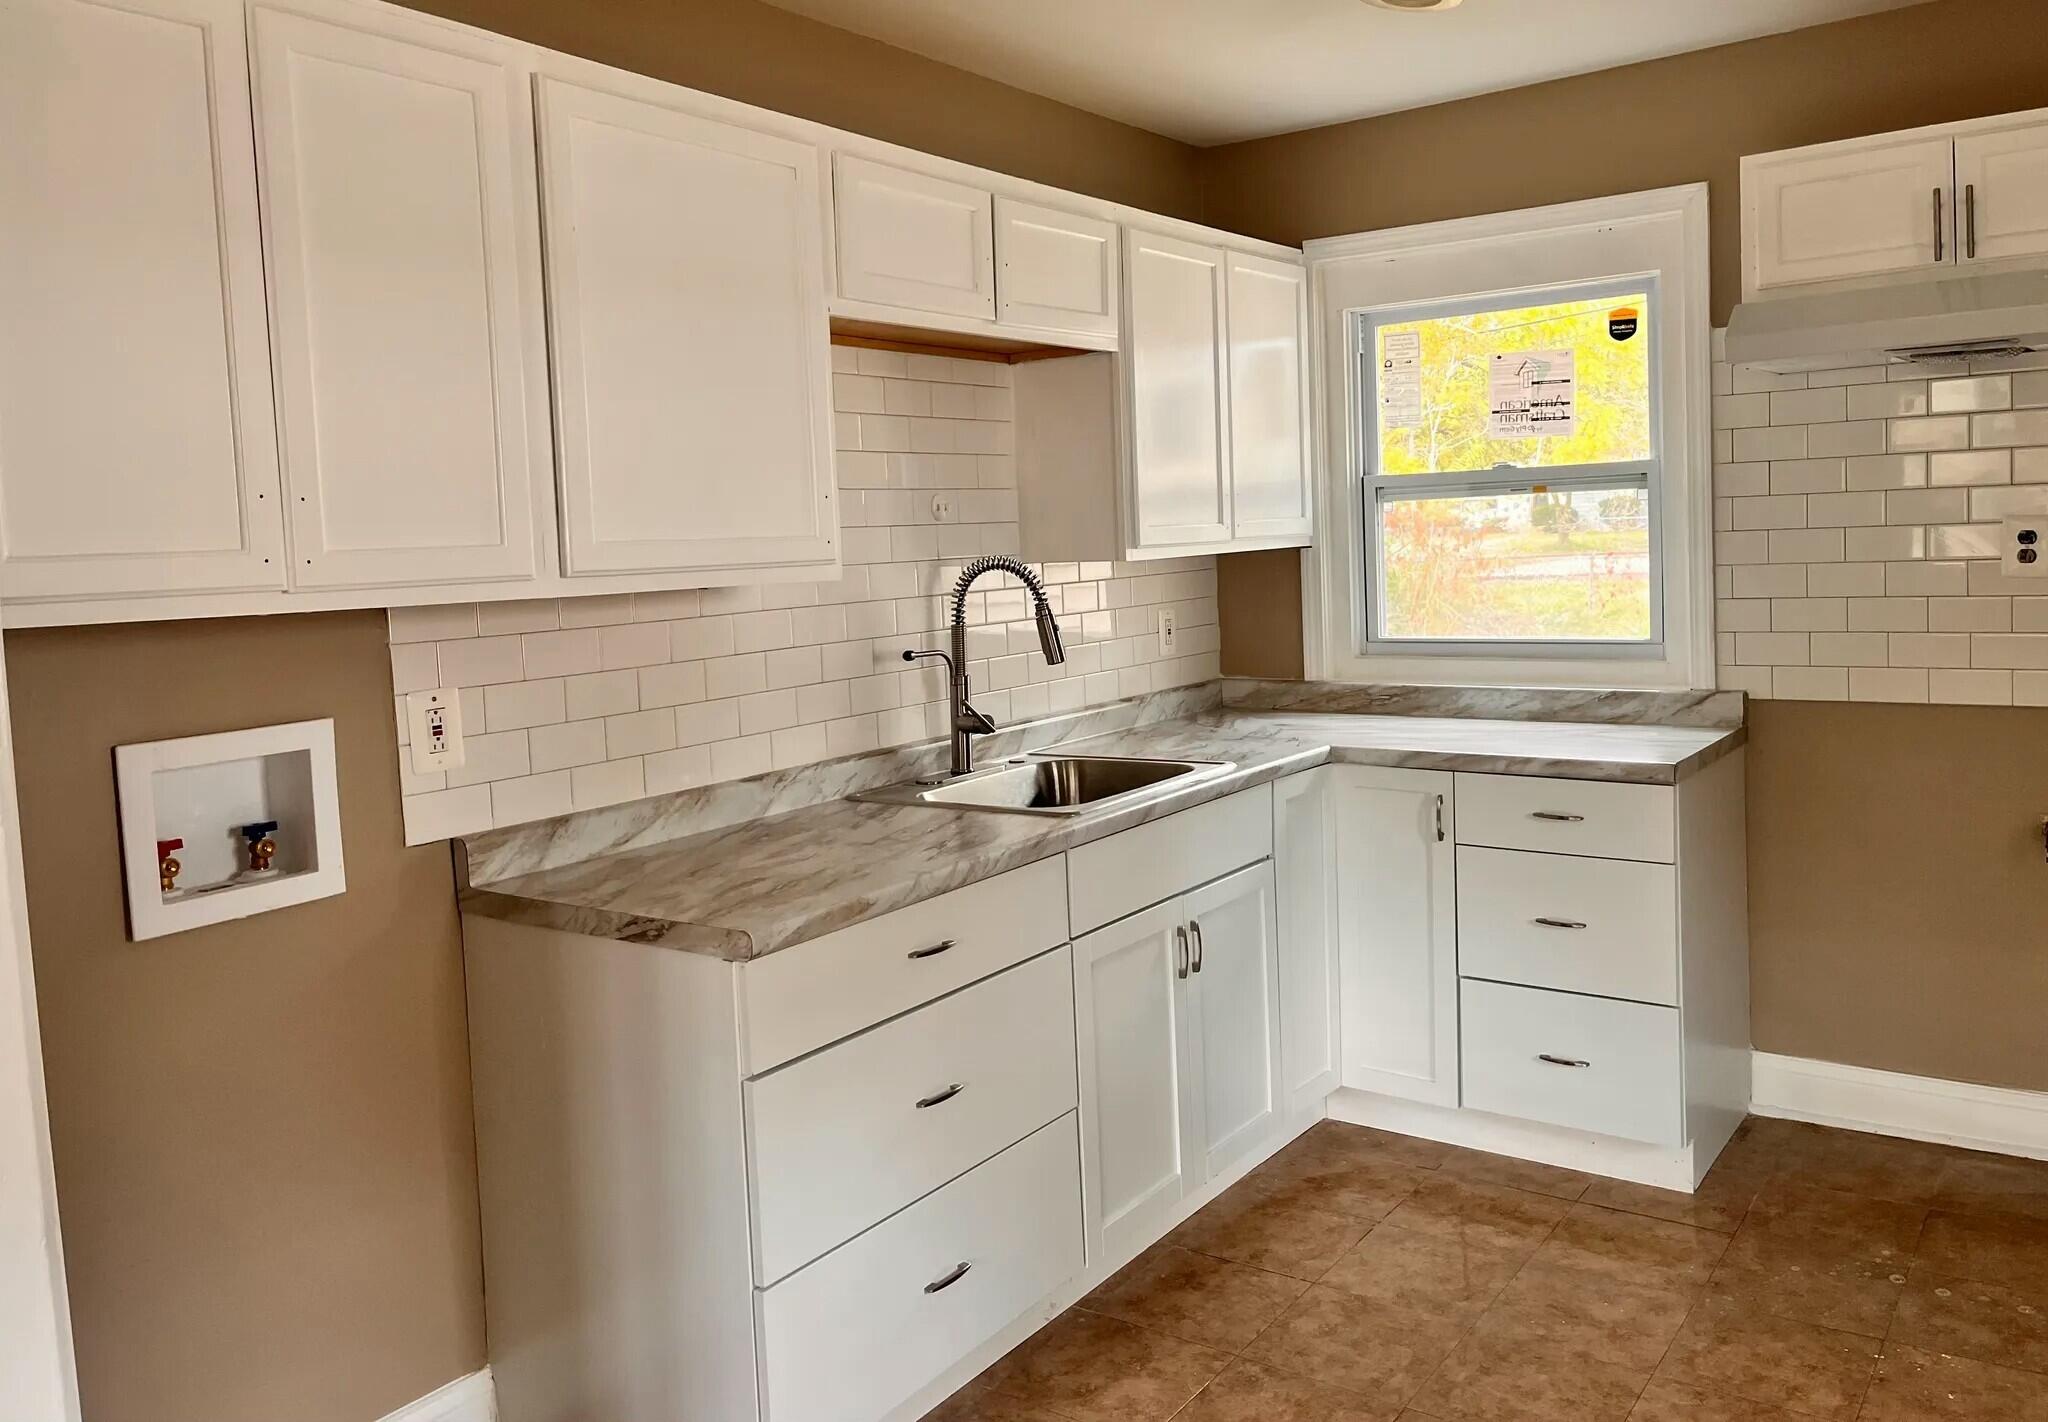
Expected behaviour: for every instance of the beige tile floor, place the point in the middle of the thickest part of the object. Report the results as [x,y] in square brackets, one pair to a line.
[1365,1277]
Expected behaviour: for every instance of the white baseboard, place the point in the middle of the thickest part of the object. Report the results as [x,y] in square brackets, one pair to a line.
[1920,1108]
[467,1399]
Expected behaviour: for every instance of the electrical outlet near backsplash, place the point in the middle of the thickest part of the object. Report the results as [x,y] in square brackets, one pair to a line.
[576,703]
[1861,517]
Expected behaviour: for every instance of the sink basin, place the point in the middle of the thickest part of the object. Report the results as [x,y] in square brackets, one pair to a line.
[1052,784]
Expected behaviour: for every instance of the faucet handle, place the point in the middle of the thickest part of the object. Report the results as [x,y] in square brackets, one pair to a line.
[972,721]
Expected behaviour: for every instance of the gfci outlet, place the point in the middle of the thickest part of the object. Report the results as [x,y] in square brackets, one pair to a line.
[2023,548]
[1168,632]
[435,721]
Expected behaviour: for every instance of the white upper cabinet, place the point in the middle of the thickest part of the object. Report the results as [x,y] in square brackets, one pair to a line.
[1269,424]
[1852,211]
[1897,206]
[2002,182]
[685,262]
[909,239]
[1176,355]
[402,227]
[137,445]
[1055,271]
[1398,931]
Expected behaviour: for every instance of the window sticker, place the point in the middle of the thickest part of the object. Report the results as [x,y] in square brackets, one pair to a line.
[1531,394]
[1623,322]
[1400,380]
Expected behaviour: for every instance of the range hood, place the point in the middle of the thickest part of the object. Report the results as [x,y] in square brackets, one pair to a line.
[1945,321]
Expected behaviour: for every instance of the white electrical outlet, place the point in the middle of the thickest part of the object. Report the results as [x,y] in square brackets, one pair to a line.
[2023,548]
[1169,634]
[435,720]
[942,508]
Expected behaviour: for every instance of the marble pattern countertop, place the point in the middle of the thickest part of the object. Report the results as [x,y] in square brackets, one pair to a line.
[743,891]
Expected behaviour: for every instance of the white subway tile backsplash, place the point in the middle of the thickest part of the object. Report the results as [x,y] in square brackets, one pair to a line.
[1809,407]
[604,699]
[1895,400]
[1939,432]
[1983,392]
[1973,466]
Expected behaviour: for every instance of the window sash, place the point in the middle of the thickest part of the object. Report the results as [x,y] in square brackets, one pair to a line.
[1377,489]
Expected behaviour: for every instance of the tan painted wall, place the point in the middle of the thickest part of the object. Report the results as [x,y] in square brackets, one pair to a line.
[1897,887]
[262,1130]
[1895,877]
[755,53]
[265,1159]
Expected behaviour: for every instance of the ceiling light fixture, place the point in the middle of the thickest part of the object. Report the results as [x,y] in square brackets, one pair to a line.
[1416,6]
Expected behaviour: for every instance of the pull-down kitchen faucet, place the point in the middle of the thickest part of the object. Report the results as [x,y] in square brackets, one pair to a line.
[968,722]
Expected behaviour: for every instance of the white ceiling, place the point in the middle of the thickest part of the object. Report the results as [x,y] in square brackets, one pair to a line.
[1214,71]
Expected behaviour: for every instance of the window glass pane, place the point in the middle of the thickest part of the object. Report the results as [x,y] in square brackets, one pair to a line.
[1518,565]
[1532,387]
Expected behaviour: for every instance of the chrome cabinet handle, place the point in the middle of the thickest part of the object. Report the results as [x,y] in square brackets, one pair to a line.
[1556,818]
[1557,923]
[1940,242]
[1970,220]
[1195,927]
[1180,951]
[951,1277]
[933,951]
[1439,819]
[1561,1061]
[939,1098]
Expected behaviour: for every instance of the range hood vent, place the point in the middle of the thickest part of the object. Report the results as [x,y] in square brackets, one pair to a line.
[1945,321]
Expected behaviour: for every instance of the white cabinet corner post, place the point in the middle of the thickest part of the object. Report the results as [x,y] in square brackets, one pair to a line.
[401,224]
[1305,871]
[685,278]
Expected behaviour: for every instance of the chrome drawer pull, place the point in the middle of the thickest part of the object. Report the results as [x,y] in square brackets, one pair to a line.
[951,1277]
[1180,950]
[1195,928]
[1561,1061]
[940,1098]
[1555,817]
[1557,923]
[931,952]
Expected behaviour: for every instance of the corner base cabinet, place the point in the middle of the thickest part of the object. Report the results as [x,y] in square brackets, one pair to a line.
[1546,967]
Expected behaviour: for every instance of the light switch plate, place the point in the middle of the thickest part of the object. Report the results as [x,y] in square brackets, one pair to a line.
[2023,547]
[434,719]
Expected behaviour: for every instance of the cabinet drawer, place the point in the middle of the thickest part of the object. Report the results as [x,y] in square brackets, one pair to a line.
[1115,877]
[1520,1046]
[1595,817]
[859,1331]
[1605,926]
[854,1133]
[800,999]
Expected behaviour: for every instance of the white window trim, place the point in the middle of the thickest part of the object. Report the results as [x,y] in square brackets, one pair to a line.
[1664,231]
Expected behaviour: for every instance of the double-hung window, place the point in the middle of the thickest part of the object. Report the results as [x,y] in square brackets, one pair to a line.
[1515,420]
[1510,473]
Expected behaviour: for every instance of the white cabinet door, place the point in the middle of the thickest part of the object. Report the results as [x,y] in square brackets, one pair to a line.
[1269,424]
[2002,181]
[685,264]
[1397,930]
[1139,1121]
[906,239]
[1876,208]
[1176,355]
[1306,890]
[137,440]
[402,227]
[1055,270]
[1235,969]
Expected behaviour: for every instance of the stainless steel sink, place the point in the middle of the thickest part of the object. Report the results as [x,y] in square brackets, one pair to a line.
[1052,784]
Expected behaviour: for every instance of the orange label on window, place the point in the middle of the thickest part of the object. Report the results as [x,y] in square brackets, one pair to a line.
[1623,322]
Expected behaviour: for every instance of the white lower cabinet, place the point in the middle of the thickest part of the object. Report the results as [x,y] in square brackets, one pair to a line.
[1396,930]
[864,1328]
[1178,1016]
[1306,893]
[1519,953]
